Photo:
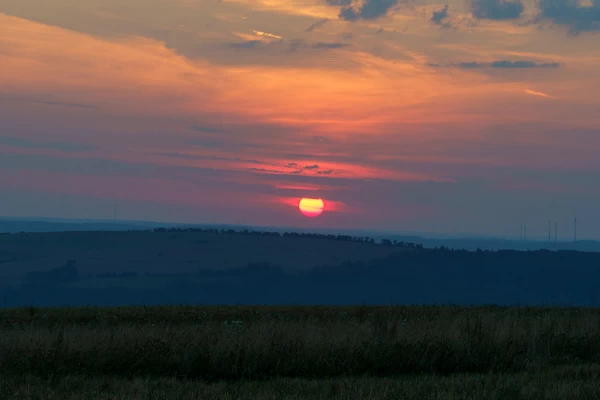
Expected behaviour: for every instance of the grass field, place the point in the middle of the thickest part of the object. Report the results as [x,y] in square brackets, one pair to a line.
[296,353]
[575,383]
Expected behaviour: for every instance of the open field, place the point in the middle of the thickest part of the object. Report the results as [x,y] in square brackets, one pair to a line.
[257,343]
[568,383]
[298,353]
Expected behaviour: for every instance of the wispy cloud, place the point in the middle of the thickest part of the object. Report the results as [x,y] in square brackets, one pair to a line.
[266,34]
[311,167]
[187,156]
[62,104]
[317,25]
[206,129]
[538,94]
[326,172]
[330,45]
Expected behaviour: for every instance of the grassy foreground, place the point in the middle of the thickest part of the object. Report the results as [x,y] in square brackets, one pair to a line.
[579,383]
[300,353]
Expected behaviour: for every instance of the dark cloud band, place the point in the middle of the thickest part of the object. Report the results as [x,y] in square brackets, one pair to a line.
[497,9]
[368,9]
[501,64]
[570,14]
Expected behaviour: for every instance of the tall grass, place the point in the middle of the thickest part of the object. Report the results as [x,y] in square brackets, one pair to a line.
[574,383]
[224,343]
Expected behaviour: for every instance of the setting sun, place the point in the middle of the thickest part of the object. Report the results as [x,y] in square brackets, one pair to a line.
[311,207]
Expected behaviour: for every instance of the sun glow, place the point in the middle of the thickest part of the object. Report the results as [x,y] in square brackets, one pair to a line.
[311,207]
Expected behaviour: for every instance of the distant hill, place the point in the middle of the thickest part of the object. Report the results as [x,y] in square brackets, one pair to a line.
[475,243]
[225,266]
[169,251]
[16,226]
[409,276]
[429,240]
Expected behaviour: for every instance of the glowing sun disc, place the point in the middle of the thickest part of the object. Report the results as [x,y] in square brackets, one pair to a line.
[311,207]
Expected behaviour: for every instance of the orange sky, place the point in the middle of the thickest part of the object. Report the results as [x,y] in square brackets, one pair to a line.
[399,115]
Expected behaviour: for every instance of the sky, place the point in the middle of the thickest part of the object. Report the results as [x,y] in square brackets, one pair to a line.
[473,116]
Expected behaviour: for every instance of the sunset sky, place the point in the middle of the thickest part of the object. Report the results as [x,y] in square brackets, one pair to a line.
[467,116]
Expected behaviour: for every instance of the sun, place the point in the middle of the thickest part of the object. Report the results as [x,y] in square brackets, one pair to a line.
[311,207]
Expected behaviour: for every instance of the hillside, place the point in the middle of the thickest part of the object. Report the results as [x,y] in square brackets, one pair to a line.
[162,252]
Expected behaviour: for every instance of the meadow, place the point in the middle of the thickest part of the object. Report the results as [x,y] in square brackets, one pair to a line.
[300,352]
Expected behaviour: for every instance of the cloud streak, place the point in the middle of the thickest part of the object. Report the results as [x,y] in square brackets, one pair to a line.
[501,64]
[266,34]
[31,144]
[325,45]
[317,25]
[206,129]
[311,167]
[62,104]
[538,94]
